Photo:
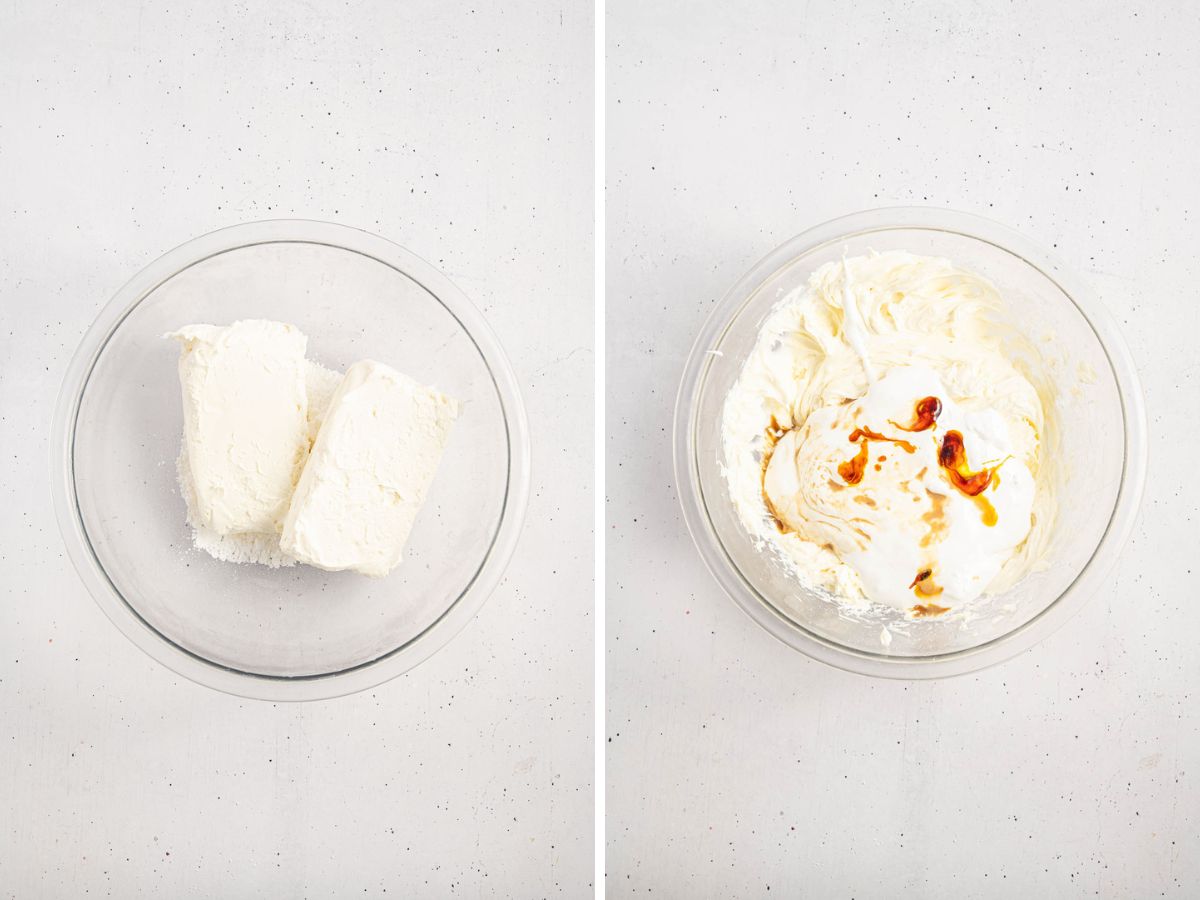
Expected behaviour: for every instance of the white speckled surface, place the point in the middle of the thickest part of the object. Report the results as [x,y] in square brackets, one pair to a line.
[739,767]
[461,131]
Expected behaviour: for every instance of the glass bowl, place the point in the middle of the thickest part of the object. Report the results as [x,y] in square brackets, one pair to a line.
[1102,435]
[294,633]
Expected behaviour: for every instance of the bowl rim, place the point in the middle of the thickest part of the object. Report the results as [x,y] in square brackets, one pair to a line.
[712,551]
[189,664]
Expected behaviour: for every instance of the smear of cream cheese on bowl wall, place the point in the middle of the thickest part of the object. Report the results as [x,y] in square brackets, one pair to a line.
[885,442]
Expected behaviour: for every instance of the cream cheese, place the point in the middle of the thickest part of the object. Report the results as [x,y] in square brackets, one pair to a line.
[250,547]
[368,472]
[245,419]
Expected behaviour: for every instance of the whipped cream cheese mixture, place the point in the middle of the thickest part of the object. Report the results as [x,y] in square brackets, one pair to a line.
[888,436]
[284,460]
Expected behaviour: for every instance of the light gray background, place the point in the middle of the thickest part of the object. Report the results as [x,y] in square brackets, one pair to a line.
[462,131]
[736,765]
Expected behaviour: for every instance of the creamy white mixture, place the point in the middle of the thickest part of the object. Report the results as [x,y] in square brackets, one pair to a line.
[830,464]
[265,480]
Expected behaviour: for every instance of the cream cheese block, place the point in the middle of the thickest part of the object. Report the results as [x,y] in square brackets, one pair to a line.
[252,547]
[368,472]
[245,419]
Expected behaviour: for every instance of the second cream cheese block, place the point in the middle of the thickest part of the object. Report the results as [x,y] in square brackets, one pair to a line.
[245,419]
[369,471]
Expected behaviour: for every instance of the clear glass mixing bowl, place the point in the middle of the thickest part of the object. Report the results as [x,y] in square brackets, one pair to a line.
[290,633]
[1103,445]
